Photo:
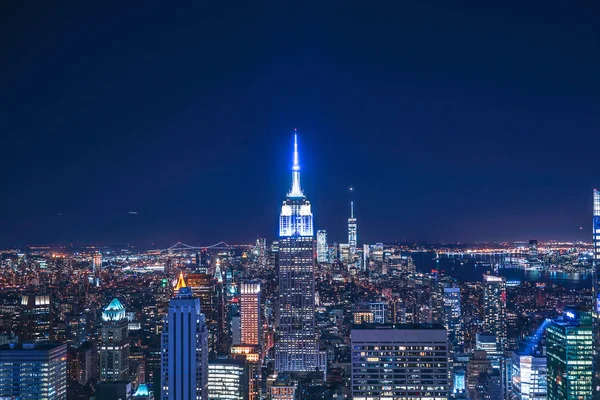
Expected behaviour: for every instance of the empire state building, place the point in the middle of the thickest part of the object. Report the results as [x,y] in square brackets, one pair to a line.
[297,347]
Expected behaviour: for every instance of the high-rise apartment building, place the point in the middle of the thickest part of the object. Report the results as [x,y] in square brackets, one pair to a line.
[114,343]
[352,231]
[184,372]
[399,361]
[250,312]
[297,348]
[322,248]
[35,319]
[494,308]
[33,371]
[569,354]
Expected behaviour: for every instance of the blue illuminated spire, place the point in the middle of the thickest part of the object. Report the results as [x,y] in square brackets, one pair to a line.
[296,190]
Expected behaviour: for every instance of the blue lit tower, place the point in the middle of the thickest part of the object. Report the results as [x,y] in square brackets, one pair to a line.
[352,228]
[297,348]
[184,348]
[596,289]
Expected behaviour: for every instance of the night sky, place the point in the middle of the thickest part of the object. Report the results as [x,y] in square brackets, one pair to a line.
[453,123]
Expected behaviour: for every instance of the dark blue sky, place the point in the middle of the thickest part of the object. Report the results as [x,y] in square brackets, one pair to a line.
[470,122]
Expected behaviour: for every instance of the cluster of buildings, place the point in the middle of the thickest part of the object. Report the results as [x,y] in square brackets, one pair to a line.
[295,319]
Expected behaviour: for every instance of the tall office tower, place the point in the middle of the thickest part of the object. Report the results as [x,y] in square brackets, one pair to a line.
[76,332]
[477,365]
[381,354]
[143,392]
[322,248]
[528,376]
[252,357]
[569,354]
[97,267]
[260,251]
[210,293]
[533,251]
[344,253]
[250,312]
[494,308]
[377,252]
[596,289]
[33,371]
[297,348]
[114,343]
[370,312]
[184,372]
[453,317]
[35,319]
[352,231]
[227,380]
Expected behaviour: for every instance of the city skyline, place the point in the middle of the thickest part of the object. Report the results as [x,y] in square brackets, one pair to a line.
[138,140]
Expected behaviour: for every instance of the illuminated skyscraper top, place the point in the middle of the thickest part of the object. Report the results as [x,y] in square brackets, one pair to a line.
[296,190]
[296,217]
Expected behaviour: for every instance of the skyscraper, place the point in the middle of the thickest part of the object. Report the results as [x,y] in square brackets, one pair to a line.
[352,231]
[322,248]
[297,348]
[227,380]
[569,354]
[35,319]
[97,267]
[114,345]
[184,348]
[596,288]
[533,251]
[494,308]
[210,293]
[453,317]
[528,376]
[399,361]
[250,312]
[33,371]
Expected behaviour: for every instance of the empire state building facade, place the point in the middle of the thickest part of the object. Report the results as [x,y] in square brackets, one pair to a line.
[297,347]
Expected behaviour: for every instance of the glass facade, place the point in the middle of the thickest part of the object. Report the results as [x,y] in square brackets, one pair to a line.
[322,248]
[494,309]
[569,357]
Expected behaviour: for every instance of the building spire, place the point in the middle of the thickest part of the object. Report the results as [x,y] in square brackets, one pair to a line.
[296,190]
[180,282]
[352,209]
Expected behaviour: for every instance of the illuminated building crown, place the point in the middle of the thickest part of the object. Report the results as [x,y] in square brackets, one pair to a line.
[296,217]
[114,311]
